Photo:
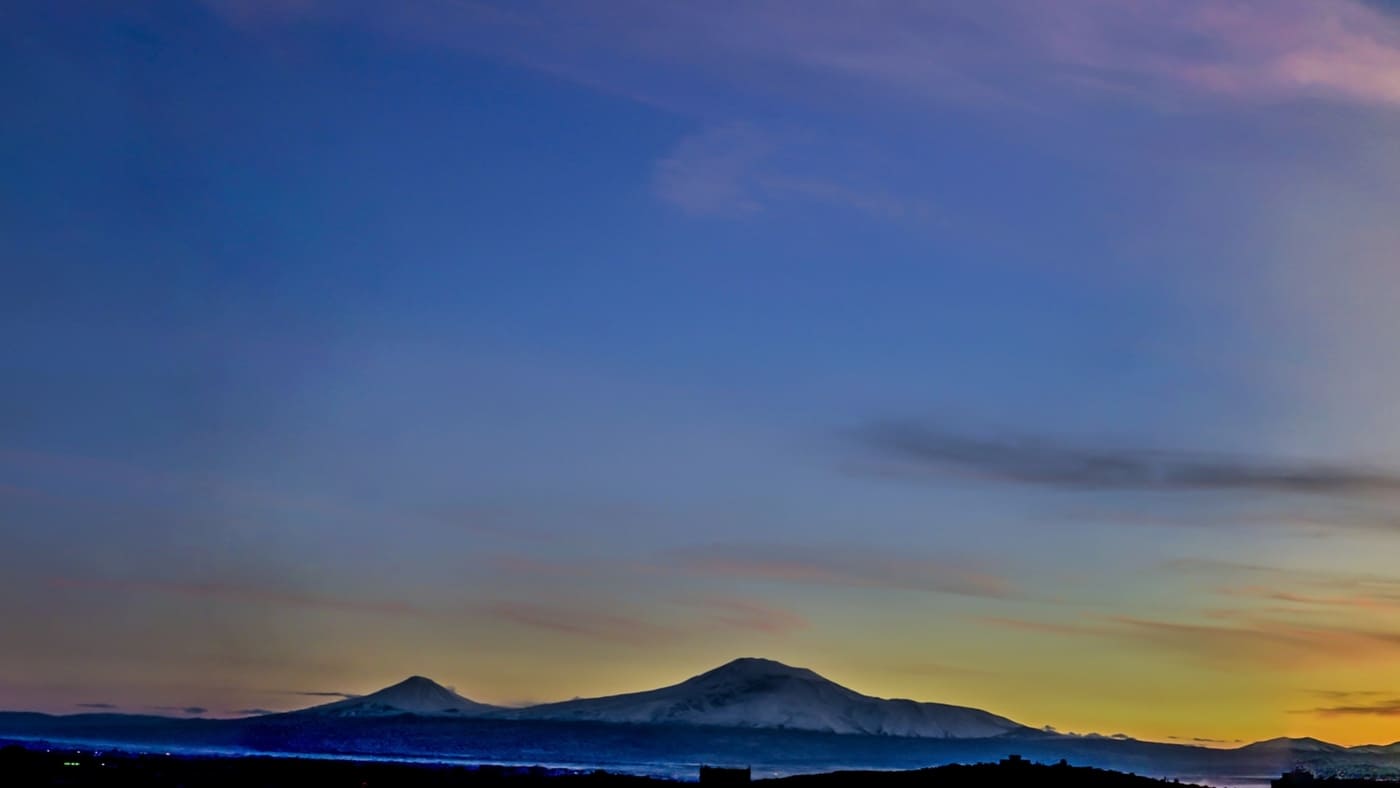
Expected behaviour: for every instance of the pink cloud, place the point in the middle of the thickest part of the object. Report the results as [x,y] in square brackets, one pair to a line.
[1247,49]
[995,51]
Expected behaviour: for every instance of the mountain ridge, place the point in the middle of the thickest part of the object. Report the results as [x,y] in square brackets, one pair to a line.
[752,692]
[747,692]
[722,692]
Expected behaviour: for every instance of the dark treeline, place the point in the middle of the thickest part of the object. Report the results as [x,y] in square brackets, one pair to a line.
[36,767]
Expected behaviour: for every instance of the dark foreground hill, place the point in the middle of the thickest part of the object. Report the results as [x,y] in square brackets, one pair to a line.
[21,766]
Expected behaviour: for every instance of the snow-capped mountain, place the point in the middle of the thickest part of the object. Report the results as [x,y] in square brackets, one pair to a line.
[413,695]
[761,693]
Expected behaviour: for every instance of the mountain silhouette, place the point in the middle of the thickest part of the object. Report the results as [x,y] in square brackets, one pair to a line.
[761,693]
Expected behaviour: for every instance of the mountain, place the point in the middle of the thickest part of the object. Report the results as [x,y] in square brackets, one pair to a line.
[413,695]
[1378,749]
[1306,744]
[761,693]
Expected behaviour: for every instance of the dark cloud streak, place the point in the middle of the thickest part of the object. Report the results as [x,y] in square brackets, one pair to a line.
[1389,707]
[1050,463]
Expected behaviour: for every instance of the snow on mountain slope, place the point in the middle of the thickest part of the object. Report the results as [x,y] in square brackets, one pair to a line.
[414,695]
[761,693]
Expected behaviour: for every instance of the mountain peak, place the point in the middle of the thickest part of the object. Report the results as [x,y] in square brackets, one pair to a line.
[751,692]
[413,695]
[758,667]
[415,681]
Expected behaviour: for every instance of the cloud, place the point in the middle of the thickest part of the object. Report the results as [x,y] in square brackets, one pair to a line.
[839,567]
[96,705]
[250,594]
[1049,463]
[579,621]
[1345,694]
[255,712]
[711,173]
[1370,601]
[1303,586]
[695,55]
[749,615]
[734,170]
[1389,707]
[314,694]
[1241,641]
[696,616]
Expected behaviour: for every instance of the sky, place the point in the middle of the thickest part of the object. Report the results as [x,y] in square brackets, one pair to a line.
[1034,357]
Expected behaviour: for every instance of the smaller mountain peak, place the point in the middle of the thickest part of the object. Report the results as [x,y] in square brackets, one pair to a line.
[418,681]
[758,666]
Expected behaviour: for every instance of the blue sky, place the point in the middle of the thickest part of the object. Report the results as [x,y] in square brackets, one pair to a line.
[544,343]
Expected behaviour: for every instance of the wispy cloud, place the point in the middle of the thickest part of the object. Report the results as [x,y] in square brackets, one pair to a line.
[685,618]
[1153,51]
[1338,695]
[732,170]
[922,449]
[1353,703]
[585,622]
[242,593]
[848,567]
[1389,707]
[748,615]
[255,712]
[1369,601]
[1242,640]
[711,173]
[1293,584]
[96,705]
